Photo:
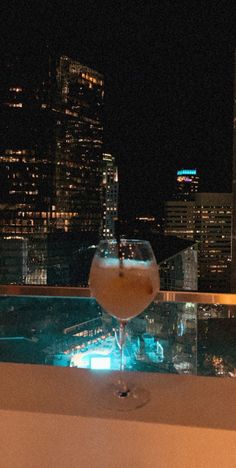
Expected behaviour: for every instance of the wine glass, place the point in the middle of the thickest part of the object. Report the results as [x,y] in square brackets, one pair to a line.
[124,279]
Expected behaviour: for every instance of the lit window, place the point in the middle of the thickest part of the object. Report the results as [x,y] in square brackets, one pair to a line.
[11,104]
[17,90]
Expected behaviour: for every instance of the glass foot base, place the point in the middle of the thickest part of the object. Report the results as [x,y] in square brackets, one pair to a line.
[116,399]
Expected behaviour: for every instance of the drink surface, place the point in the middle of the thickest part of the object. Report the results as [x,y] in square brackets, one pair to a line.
[124,292]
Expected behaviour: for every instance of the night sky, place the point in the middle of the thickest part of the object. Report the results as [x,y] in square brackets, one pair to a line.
[168,84]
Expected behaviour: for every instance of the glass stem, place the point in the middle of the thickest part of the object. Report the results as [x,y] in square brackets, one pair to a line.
[122,324]
[123,390]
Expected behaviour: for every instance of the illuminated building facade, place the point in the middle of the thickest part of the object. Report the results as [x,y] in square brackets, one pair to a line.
[213,223]
[207,220]
[180,219]
[233,273]
[26,150]
[110,195]
[51,146]
[187,184]
[78,154]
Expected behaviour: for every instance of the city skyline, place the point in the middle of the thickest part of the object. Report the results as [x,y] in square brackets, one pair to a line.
[129,107]
[168,102]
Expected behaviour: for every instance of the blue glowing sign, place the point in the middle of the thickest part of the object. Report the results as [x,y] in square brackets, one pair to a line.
[187,172]
[100,363]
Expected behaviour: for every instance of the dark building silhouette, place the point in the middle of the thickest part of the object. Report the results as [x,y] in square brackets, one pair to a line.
[177,258]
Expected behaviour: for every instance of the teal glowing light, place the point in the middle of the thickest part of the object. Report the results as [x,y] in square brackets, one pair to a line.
[187,172]
[100,363]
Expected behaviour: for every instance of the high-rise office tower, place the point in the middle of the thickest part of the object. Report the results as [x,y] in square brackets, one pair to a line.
[51,146]
[180,219]
[26,147]
[233,270]
[206,219]
[110,195]
[78,152]
[187,181]
[213,212]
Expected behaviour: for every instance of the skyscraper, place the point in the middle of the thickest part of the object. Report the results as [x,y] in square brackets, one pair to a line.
[180,219]
[213,212]
[187,184]
[27,145]
[51,147]
[207,220]
[78,152]
[233,270]
[110,195]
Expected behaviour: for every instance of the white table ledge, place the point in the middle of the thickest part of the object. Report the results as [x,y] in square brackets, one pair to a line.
[50,418]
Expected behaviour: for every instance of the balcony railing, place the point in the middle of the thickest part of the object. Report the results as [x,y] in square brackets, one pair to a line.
[162,296]
[181,332]
[56,291]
